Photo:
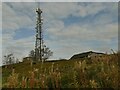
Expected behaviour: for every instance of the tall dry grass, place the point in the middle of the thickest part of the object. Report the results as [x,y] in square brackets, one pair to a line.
[98,72]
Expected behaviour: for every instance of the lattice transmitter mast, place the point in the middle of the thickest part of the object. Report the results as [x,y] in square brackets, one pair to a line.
[39,39]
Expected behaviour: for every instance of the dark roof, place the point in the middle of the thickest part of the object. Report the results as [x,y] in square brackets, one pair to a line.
[27,57]
[84,54]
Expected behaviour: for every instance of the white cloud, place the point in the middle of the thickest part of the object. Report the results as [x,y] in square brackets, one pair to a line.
[58,10]
[63,10]
[107,32]
[90,9]
[9,26]
[20,48]
[13,18]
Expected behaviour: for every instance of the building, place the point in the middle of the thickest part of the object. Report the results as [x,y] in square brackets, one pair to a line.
[89,54]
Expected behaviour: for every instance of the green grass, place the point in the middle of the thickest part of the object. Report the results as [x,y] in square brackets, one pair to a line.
[99,72]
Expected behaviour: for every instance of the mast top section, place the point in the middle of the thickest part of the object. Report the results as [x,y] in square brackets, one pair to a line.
[38,10]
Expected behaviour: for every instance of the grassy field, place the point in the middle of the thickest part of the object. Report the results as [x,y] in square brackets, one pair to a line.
[97,72]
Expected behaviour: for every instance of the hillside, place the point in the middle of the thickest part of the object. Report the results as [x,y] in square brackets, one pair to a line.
[99,72]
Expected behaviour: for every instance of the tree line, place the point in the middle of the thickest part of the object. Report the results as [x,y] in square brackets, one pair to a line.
[11,59]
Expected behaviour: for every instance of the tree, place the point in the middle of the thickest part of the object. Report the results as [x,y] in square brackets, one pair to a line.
[9,59]
[17,60]
[32,53]
[45,53]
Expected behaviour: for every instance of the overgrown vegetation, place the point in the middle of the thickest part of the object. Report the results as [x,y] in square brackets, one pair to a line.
[97,72]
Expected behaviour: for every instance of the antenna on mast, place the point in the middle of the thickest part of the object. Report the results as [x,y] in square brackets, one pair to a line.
[39,36]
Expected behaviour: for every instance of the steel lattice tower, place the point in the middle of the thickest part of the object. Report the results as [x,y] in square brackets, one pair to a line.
[39,39]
